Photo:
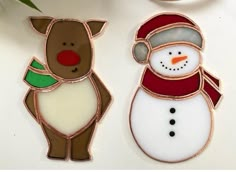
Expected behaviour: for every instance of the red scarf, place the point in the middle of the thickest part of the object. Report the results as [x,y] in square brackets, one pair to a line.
[199,81]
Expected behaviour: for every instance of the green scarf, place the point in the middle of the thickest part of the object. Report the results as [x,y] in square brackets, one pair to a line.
[38,80]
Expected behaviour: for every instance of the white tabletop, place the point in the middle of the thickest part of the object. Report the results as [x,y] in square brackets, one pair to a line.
[23,145]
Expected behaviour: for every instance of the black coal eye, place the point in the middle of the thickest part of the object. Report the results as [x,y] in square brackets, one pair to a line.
[72,44]
[170,53]
[64,43]
[179,52]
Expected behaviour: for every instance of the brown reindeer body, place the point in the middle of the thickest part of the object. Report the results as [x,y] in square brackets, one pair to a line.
[68,110]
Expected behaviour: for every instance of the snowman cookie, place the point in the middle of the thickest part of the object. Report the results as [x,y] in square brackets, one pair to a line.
[171,115]
[66,97]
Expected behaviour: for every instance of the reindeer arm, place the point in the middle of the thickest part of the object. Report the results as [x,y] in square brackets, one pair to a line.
[30,104]
[105,95]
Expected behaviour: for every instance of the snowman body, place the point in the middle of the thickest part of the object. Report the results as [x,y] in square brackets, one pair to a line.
[171,113]
[170,130]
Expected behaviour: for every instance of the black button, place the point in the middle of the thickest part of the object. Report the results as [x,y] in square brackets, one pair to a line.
[172,122]
[172,110]
[172,134]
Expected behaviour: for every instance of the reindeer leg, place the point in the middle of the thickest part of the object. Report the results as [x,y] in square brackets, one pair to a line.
[80,144]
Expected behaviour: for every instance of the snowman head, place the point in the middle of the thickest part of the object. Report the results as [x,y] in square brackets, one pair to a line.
[170,43]
[175,60]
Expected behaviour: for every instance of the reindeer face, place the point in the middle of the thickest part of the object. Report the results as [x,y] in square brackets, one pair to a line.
[68,47]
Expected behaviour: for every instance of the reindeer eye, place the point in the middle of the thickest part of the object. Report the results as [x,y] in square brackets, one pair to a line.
[72,44]
[64,43]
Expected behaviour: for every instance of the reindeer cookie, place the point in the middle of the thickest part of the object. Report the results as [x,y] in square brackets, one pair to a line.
[66,97]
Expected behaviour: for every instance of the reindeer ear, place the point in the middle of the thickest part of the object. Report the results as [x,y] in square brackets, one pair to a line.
[141,52]
[41,23]
[96,27]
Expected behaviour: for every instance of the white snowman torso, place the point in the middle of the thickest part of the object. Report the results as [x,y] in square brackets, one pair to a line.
[171,113]
[70,107]
[170,130]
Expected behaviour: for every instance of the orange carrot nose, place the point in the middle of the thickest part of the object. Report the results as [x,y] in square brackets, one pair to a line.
[178,59]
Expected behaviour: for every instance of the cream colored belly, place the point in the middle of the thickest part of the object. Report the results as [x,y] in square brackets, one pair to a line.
[69,107]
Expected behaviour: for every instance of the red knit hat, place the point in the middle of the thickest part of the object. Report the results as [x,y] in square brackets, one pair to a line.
[165,29]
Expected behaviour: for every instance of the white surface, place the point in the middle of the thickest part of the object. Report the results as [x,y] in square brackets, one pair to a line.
[70,107]
[150,118]
[23,144]
[162,57]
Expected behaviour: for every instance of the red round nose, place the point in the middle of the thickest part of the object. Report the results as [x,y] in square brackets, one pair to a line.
[68,58]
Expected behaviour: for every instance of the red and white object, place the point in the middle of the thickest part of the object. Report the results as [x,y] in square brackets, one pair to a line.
[171,116]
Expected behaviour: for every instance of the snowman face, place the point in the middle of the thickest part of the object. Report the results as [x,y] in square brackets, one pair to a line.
[175,60]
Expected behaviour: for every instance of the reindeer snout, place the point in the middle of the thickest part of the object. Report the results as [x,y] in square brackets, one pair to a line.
[68,58]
